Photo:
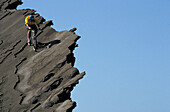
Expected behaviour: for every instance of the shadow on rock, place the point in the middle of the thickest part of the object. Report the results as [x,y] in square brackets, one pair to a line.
[49,44]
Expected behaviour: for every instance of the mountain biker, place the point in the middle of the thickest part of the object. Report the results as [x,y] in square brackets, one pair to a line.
[31,22]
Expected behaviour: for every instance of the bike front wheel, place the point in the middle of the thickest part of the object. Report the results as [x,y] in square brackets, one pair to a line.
[34,42]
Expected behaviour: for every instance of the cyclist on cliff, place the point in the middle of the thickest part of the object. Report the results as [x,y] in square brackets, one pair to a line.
[31,22]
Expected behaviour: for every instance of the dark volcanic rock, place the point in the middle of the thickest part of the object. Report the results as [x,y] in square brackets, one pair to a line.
[35,81]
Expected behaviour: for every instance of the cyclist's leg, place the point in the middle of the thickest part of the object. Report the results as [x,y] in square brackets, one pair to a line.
[35,40]
[28,37]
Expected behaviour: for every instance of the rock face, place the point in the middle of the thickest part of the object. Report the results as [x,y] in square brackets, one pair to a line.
[35,81]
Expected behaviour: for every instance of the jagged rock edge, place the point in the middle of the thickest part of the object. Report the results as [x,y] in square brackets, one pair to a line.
[70,57]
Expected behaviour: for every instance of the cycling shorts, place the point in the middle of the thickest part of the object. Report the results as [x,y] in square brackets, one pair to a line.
[32,27]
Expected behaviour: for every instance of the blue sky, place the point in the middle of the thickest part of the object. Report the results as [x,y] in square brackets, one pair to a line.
[124,49]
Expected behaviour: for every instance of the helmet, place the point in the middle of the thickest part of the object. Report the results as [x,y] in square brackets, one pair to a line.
[31,17]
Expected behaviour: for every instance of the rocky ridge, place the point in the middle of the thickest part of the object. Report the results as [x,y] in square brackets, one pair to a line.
[35,81]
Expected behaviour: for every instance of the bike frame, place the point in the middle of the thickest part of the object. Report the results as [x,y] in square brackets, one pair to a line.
[33,39]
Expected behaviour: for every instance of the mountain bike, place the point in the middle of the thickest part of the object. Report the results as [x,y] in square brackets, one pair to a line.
[33,39]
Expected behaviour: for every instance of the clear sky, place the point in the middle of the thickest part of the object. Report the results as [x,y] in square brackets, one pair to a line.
[124,49]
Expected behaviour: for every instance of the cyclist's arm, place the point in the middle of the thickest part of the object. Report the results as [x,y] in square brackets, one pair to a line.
[37,23]
[28,26]
[26,22]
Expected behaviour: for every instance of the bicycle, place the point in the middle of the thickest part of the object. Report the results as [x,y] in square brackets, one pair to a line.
[33,39]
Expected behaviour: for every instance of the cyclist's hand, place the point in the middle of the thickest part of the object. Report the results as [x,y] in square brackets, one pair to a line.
[29,28]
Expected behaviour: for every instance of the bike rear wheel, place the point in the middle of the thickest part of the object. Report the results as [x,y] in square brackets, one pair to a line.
[34,42]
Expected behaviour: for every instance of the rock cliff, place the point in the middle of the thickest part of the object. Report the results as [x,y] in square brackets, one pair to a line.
[35,81]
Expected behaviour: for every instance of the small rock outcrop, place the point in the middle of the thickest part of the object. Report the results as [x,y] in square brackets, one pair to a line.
[35,81]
